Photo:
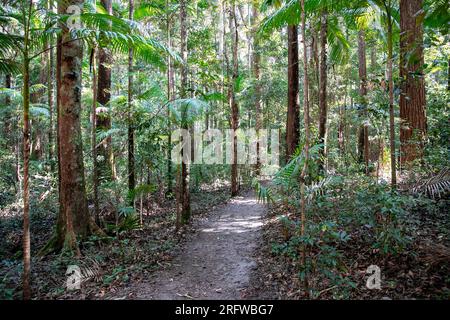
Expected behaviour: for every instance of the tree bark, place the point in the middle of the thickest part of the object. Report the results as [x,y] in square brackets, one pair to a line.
[170,97]
[293,113]
[233,103]
[93,136]
[363,142]
[131,157]
[413,126]
[73,220]
[184,190]
[26,190]
[50,76]
[256,62]
[307,137]
[323,108]
[106,163]
[391,101]
[58,105]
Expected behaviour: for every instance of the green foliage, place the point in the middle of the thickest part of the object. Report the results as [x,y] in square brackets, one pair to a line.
[383,213]
[184,112]
[128,221]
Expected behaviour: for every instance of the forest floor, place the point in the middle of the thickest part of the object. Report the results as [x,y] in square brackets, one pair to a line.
[226,252]
[421,271]
[114,264]
[217,260]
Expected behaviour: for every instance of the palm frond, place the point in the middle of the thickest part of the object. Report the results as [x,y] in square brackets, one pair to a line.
[289,13]
[435,186]
[186,111]
[8,66]
[339,46]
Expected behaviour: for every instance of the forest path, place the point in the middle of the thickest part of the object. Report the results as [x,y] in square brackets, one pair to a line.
[216,261]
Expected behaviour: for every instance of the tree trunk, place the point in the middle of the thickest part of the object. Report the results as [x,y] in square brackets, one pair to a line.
[105,164]
[307,137]
[58,105]
[256,61]
[323,88]
[26,157]
[93,136]
[413,126]
[73,220]
[170,97]
[314,71]
[50,105]
[184,190]
[26,160]
[131,158]
[233,103]
[363,142]
[293,113]
[391,103]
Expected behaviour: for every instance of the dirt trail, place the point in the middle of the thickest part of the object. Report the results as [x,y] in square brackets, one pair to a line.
[217,261]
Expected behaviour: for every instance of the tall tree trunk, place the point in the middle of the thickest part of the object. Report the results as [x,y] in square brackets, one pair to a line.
[391,101]
[293,114]
[26,154]
[233,103]
[314,71]
[170,97]
[131,158]
[256,62]
[73,220]
[26,160]
[58,107]
[341,128]
[106,164]
[50,76]
[94,135]
[413,126]
[307,137]
[323,87]
[363,143]
[184,190]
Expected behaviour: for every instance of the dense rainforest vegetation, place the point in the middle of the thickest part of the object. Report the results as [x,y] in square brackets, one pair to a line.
[356,91]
